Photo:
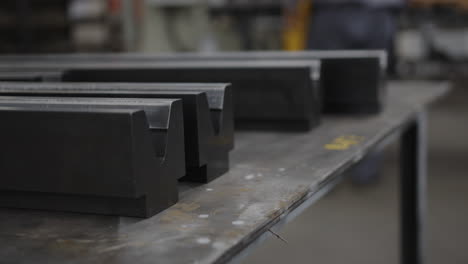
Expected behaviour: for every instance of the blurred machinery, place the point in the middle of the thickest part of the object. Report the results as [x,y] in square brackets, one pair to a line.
[34,26]
[28,26]
[433,39]
[152,25]
[91,25]
[431,43]
[201,25]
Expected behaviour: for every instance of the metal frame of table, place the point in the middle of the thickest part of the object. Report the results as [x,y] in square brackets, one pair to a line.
[273,178]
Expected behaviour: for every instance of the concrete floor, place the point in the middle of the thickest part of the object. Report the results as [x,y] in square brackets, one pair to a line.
[359,224]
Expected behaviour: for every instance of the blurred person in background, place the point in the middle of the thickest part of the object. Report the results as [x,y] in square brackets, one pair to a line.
[356,24]
[353,24]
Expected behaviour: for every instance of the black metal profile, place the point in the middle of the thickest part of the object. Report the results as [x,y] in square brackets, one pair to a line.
[267,94]
[353,81]
[283,96]
[208,115]
[105,156]
[29,76]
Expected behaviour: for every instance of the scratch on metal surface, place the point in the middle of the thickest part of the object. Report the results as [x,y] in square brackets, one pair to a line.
[278,236]
[288,202]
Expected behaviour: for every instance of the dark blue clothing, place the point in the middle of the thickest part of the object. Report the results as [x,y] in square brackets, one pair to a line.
[369,3]
[351,27]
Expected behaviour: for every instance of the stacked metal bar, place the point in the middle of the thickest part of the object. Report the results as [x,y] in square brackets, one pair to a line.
[26,76]
[273,95]
[105,156]
[352,81]
[208,115]
[281,96]
[150,138]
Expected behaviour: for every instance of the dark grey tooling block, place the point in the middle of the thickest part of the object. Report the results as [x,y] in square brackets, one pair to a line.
[279,95]
[282,96]
[29,76]
[353,80]
[104,156]
[208,115]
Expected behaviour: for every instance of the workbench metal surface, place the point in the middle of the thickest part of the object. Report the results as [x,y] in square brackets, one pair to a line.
[271,175]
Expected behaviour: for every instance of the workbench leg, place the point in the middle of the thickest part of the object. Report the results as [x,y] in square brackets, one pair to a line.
[413,191]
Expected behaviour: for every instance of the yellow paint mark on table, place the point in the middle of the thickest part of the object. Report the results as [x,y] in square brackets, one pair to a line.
[344,142]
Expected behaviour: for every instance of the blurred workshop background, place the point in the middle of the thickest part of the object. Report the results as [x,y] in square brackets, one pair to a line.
[426,39]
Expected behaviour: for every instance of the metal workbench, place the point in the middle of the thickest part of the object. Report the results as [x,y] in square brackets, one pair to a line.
[273,177]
